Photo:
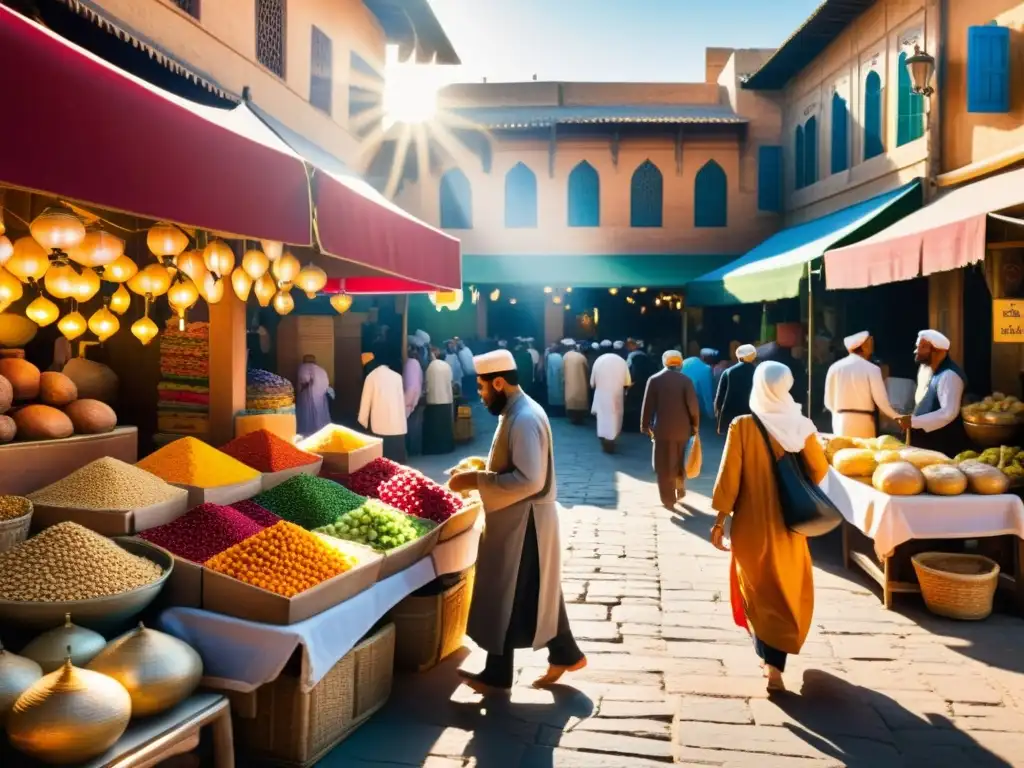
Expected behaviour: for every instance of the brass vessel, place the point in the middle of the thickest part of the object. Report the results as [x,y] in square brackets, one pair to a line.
[158,671]
[48,650]
[69,716]
[16,675]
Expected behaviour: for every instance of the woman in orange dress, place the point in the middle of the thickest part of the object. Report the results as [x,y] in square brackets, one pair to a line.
[771,586]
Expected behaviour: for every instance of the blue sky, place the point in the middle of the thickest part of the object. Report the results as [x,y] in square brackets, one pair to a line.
[613,40]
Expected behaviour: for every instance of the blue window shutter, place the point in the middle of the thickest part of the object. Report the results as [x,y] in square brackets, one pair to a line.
[645,196]
[838,156]
[811,151]
[769,179]
[711,196]
[520,198]
[798,157]
[988,69]
[873,116]
[584,196]
[456,201]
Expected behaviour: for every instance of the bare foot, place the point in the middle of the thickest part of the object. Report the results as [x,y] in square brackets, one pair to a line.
[555,672]
[775,682]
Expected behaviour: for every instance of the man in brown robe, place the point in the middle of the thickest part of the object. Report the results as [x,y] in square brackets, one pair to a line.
[671,416]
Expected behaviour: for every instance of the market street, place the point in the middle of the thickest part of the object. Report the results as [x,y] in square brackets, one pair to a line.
[671,679]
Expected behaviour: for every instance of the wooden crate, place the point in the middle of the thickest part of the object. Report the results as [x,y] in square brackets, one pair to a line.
[430,628]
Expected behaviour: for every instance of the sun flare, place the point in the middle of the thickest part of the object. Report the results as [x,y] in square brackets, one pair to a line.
[410,91]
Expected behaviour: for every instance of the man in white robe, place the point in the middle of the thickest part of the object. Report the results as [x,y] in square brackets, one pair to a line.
[609,379]
[575,371]
[855,391]
[936,423]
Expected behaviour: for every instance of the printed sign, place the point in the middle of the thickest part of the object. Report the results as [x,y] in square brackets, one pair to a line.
[1007,325]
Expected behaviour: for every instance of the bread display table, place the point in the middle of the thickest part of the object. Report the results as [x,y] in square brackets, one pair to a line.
[28,466]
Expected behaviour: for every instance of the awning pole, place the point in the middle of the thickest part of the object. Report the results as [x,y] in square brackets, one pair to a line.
[810,337]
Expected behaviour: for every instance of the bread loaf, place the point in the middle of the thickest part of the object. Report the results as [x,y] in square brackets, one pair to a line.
[985,480]
[921,458]
[944,480]
[855,462]
[899,478]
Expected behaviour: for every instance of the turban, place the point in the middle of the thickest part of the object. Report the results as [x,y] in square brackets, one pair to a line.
[746,352]
[606,344]
[618,345]
[936,339]
[856,340]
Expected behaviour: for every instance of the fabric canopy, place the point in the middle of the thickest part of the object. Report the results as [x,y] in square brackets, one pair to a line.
[659,270]
[948,233]
[77,127]
[773,270]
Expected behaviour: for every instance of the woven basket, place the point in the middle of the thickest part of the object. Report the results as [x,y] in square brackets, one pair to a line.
[15,531]
[375,671]
[957,586]
[432,628]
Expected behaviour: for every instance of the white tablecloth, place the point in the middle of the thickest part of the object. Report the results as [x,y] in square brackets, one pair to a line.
[892,520]
[242,655]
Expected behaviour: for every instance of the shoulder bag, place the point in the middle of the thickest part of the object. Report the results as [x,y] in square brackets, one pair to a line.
[805,507]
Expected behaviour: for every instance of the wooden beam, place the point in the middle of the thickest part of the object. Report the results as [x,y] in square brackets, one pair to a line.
[679,151]
[1005,245]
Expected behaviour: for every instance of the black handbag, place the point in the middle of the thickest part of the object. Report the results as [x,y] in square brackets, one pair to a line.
[805,507]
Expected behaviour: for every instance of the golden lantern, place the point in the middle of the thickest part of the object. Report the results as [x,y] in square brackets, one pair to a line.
[72,325]
[121,270]
[104,323]
[272,249]
[341,302]
[568,289]
[60,280]
[85,286]
[311,279]
[613,291]
[165,240]
[144,330]
[285,269]
[265,289]
[152,281]
[255,263]
[192,264]
[42,311]
[283,302]
[6,249]
[10,287]
[548,289]
[98,249]
[182,295]
[446,300]
[28,262]
[219,258]
[56,229]
[121,300]
[556,299]
[495,294]
[212,289]
[241,283]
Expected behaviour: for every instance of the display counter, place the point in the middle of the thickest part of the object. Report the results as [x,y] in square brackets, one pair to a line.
[28,466]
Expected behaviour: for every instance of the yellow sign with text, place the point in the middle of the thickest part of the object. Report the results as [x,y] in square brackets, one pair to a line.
[1007,321]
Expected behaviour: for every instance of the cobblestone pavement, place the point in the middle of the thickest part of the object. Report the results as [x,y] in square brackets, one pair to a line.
[671,679]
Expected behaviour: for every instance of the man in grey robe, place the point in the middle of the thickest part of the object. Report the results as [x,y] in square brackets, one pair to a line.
[670,415]
[517,597]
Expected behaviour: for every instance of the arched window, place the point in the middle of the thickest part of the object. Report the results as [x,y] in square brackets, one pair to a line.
[584,196]
[456,201]
[840,143]
[645,196]
[810,151]
[798,157]
[710,196]
[909,108]
[520,198]
[873,116]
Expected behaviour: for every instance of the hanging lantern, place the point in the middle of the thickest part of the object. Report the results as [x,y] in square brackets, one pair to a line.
[213,289]
[166,241]
[241,283]
[341,302]
[512,301]
[272,249]
[6,250]
[10,287]
[121,300]
[144,330]
[72,325]
[568,289]
[97,249]
[642,289]
[219,258]
[152,281]
[451,300]
[311,279]
[121,270]
[657,302]
[265,289]
[104,323]
[283,302]
[60,280]
[568,307]
[182,295]
[556,299]
[548,289]
[192,264]
[56,229]
[495,294]
[29,262]
[85,286]
[613,291]
[474,294]
[255,263]
[42,311]
[285,269]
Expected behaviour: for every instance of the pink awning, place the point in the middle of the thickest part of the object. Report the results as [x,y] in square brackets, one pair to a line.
[369,284]
[946,234]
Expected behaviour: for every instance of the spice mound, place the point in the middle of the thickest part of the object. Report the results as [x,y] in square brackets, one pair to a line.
[367,480]
[189,461]
[69,562]
[203,532]
[377,525]
[411,492]
[13,507]
[283,559]
[311,502]
[335,439]
[265,451]
[255,512]
[107,484]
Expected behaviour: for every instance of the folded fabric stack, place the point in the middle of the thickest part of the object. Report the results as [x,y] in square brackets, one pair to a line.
[183,395]
[185,355]
[266,392]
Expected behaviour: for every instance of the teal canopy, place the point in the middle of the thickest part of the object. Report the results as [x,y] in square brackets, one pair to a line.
[656,271]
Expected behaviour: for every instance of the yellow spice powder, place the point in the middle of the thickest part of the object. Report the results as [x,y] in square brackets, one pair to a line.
[338,440]
[192,462]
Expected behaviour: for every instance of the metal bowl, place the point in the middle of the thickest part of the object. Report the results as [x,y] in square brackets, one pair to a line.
[99,613]
[991,435]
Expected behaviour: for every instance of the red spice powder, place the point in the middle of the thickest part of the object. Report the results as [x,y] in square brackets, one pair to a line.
[255,512]
[203,532]
[266,452]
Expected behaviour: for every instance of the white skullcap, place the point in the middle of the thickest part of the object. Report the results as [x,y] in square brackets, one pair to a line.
[708,351]
[672,357]
[618,345]
[502,343]
[529,339]
[936,339]
[855,340]
[746,351]
[595,345]
[423,336]
[498,361]
[568,342]
[606,343]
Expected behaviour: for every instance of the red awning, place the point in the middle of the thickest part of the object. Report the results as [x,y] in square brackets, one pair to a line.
[79,128]
[946,234]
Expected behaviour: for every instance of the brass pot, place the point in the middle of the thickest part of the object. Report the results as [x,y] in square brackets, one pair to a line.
[49,649]
[16,675]
[69,716]
[158,671]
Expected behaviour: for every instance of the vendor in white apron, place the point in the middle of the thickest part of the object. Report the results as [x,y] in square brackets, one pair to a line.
[855,391]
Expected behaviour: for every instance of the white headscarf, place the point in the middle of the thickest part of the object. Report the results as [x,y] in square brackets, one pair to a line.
[772,403]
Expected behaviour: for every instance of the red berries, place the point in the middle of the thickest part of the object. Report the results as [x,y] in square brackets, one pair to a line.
[415,494]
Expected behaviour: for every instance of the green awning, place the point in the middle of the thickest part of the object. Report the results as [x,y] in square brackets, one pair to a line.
[773,270]
[656,271]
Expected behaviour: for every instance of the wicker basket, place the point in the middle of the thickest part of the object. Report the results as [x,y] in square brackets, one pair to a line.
[429,629]
[15,531]
[463,429]
[957,586]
